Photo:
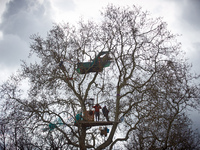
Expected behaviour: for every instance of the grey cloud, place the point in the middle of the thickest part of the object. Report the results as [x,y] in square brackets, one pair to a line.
[12,50]
[65,5]
[190,22]
[21,19]
[190,10]
[25,17]
[195,57]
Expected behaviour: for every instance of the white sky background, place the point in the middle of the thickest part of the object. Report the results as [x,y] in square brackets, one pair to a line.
[21,18]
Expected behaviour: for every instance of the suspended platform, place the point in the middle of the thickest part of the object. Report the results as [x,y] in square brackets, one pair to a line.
[96,123]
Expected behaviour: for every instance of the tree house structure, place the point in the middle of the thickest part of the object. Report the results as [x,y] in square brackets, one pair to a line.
[95,123]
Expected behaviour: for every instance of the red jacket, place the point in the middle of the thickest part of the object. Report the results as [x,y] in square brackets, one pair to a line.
[97,107]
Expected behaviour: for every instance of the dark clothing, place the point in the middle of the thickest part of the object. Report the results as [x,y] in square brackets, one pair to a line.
[97,115]
[105,112]
[61,64]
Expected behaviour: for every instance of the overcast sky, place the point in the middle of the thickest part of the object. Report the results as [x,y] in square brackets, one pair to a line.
[21,18]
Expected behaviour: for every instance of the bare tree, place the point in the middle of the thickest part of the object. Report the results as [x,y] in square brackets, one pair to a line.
[166,125]
[3,131]
[147,71]
[149,136]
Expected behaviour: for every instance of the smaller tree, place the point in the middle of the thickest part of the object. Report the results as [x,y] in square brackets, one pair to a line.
[3,134]
[181,136]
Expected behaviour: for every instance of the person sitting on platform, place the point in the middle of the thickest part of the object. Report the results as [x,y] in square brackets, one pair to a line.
[105,112]
[97,115]
[78,117]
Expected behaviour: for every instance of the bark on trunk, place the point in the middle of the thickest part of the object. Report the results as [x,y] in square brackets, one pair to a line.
[82,138]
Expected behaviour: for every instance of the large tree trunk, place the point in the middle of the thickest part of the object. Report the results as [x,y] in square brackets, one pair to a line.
[82,138]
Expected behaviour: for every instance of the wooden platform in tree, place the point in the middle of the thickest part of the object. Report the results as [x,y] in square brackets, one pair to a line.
[96,123]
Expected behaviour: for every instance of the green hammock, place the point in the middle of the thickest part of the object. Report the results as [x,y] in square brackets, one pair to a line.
[52,126]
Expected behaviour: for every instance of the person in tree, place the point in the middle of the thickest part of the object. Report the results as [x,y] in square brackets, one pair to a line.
[105,112]
[61,65]
[97,115]
[104,131]
[78,117]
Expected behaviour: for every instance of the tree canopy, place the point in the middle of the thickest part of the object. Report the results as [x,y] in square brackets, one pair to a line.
[147,83]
